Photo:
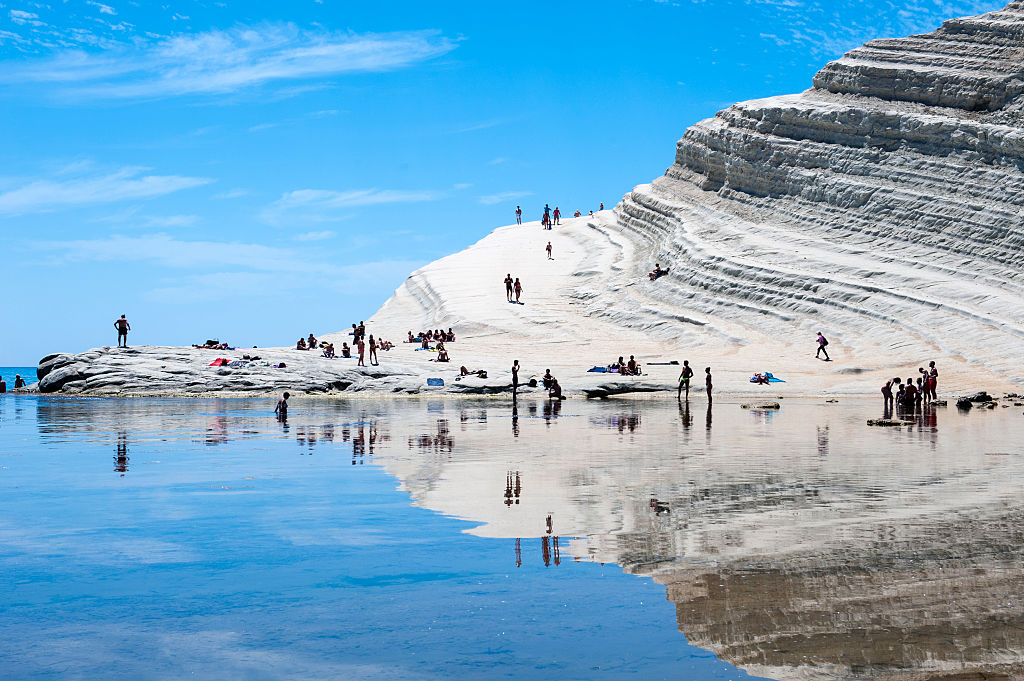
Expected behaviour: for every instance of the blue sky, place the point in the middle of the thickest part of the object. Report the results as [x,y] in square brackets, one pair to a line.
[254,171]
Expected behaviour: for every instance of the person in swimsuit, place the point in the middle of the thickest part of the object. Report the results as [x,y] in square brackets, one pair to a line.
[602,206]
[547,379]
[373,351]
[123,327]
[519,215]
[555,391]
[909,395]
[887,394]
[518,288]
[684,379]
[933,375]
[282,407]
[311,342]
[632,368]
[557,214]
[508,287]
[707,381]
[515,376]
[548,249]
[3,385]
[361,346]
[19,382]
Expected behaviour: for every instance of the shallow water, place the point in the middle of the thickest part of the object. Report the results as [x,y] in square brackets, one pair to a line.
[153,539]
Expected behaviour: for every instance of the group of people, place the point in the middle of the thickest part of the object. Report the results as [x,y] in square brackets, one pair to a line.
[426,337]
[19,382]
[912,395]
[630,368]
[549,382]
[550,217]
[513,288]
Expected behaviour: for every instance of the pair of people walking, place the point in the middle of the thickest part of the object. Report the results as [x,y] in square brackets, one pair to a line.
[513,288]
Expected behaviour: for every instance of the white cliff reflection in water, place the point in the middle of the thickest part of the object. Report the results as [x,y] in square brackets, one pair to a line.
[797,543]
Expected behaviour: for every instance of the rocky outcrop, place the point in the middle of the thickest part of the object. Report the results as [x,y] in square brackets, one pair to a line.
[883,206]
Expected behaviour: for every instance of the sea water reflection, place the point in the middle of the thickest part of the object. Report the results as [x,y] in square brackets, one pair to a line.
[795,543]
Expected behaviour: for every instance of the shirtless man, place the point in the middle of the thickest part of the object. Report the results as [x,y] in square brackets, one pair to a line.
[508,286]
[282,407]
[707,381]
[3,385]
[123,327]
[515,376]
[557,215]
[518,288]
[519,215]
[548,249]
[684,379]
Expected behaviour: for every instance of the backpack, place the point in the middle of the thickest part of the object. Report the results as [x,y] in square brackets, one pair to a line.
[824,341]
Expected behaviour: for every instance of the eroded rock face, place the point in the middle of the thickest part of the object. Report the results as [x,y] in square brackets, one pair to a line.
[884,204]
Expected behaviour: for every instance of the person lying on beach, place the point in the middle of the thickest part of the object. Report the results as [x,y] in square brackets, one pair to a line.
[384,345]
[346,351]
[301,344]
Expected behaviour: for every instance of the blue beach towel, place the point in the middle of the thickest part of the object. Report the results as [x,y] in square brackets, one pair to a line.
[598,370]
[435,381]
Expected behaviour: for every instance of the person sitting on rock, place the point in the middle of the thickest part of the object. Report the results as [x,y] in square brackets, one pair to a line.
[555,391]
[19,382]
[451,335]
[657,272]
[424,342]
[311,342]
[3,385]
[632,368]
[547,379]
[328,350]
[411,338]
[621,365]
[442,354]
[346,351]
[301,344]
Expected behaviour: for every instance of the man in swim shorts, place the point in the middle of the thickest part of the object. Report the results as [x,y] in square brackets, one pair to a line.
[519,215]
[508,286]
[684,380]
[548,249]
[123,327]
[707,382]
[515,376]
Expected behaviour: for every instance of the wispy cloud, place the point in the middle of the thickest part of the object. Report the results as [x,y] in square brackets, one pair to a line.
[45,195]
[492,199]
[231,194]
[315,236]
[104,9]
[218,62]
[321,205]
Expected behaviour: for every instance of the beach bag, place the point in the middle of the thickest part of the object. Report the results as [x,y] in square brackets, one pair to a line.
[824,341]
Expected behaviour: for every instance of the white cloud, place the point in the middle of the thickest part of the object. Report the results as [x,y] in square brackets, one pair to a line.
[218,62]
[104,9]
[127,183]
[231,194]
[321,205]
[492,199]
[315,236]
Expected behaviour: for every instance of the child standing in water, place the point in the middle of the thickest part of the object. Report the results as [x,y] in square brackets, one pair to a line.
[282,407]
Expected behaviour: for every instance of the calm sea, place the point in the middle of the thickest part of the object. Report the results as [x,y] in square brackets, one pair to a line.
[427,539]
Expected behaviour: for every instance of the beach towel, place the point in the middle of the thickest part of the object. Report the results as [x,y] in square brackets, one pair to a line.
[598,370]
[219,362]
[435,381]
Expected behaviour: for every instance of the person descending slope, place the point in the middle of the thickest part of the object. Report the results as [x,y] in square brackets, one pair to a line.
[508,287]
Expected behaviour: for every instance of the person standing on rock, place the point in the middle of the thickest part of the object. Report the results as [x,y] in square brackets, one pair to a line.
[602,206]
[557,215]
[361,346]
[822,342]
[282,407]
[373,351]
[707,382]
[515,376]
[518,288]
[684,380]
[508,286]
[933,380]
[548,249]
[519,215]
[123,327]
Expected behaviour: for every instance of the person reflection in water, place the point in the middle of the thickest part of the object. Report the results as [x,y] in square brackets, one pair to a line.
[515,417]
[519,553]
[708,423]
[684,414]
[121,460]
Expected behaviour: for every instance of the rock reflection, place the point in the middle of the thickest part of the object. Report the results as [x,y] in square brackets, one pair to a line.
[800,544]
